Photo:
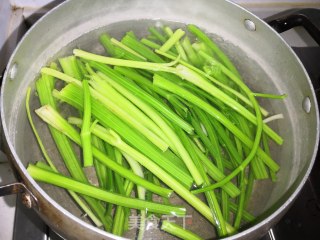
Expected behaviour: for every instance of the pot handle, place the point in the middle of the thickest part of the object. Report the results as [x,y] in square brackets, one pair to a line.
[27,198]
[308,18]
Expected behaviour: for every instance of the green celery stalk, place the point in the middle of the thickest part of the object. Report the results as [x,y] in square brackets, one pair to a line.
[113,107]
[145,83]
[150,43]
[149,54]
[109,151]
[216,174]
[104,88]
[54,119]
[191,76]
[117,49]
[212,136]
[173,157]
[137,169]
[210,195]
[81,68]
[58,122]
[163,83]
[195,78]
[241,201]
[137,46]
[153,168]
[174,38]
[70,67]
[115,181]
[246,216]
[249,189]
[131,120]
[198,45]
[258,167]
[85,129]
[216,73]
[101,169]
[178,231]
[141,49]
[192,56]
[208,41]
[72,96]
[218,83]
[118,226]
[253,151]
[114,139]
[142,109]
[121,45]
[267,150]
[167,130]
[272,96]
[44,87]
[199,144]
[141,80]
[211,144]
[156,181]
[226,140]
[59,180]
[149,195]
[159,106]
[45,167]
[132,34]
[118,222]
[154,31]
[118,178]
[105,40]
[53,168]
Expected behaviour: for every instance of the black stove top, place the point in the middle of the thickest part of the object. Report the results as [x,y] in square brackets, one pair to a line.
[302,221]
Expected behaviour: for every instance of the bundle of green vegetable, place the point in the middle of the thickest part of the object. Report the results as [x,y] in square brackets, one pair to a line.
[165,115]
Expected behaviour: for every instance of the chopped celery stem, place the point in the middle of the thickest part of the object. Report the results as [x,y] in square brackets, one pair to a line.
[85,129]
[272,96]
[119,44]
[59,180]
[77,199]
[250,156]
[44,86]
[157,34]
[208,41]
[53,118]
[111,137]
[171,135]
[220,84]
[189,75]
[159,106]
[178,231]
[72,96]
[170,86]
[112,105]
[174,38]
[172,35]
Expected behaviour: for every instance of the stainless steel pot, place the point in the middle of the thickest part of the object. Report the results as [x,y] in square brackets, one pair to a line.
[265,61]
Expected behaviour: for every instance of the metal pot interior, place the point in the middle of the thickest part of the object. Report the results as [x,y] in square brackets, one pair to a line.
[263,59]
